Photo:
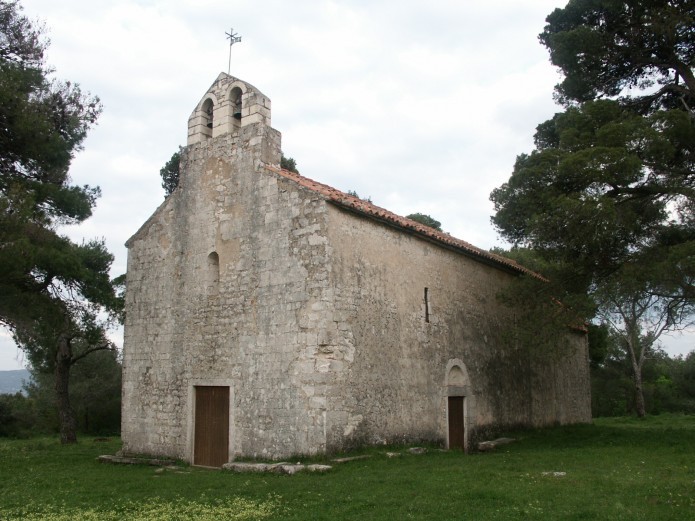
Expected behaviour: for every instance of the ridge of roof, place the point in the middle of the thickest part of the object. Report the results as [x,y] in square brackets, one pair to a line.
[355,204]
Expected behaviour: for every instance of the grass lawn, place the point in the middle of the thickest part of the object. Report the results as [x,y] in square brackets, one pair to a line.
[618,468]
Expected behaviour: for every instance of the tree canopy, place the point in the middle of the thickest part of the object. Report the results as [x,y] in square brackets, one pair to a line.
[640,51]
[353,193]
[607,189]
[170,173]
[607,198]
[288,163]
[426,220]
[52,291]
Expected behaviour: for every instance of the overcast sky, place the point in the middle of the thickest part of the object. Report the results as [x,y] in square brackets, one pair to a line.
[423,106]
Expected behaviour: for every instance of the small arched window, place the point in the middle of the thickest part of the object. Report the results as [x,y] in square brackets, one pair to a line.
[207,110]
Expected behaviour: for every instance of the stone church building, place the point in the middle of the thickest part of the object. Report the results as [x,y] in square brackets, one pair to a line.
[268,314]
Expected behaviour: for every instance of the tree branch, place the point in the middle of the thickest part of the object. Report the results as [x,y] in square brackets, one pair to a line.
[104,347]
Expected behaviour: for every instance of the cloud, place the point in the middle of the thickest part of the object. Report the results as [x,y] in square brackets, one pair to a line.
[10,356]
[422,106]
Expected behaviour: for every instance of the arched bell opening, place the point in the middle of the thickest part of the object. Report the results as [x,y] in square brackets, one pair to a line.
[207,110]
[236,105]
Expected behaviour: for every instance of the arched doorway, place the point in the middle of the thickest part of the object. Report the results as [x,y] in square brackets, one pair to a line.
[458,405]
[457,423]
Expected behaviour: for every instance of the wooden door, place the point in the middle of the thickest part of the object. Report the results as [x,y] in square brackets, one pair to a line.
[211,437]
[456,427]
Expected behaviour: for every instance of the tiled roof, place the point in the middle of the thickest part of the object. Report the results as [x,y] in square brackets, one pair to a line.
[360,206]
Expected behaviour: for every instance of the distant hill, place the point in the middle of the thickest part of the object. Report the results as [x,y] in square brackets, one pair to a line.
[11,382]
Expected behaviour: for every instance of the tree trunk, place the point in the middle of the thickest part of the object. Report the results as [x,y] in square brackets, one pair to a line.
[636,360]
[66,414]
[686,73]
[639,393]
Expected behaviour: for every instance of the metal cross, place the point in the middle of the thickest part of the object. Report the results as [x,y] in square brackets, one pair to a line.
[233,38]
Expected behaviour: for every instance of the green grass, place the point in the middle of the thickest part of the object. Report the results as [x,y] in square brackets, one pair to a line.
[615,469]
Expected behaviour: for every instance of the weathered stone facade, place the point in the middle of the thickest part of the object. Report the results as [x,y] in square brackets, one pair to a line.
[330,321]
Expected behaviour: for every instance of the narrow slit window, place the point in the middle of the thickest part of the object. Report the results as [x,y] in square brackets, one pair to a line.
[427,305]
[213,273]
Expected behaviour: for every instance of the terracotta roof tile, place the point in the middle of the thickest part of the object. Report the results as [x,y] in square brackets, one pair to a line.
[368,209]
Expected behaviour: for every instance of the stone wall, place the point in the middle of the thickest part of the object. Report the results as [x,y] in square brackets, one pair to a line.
[227,284]
[394,351]
[316,318]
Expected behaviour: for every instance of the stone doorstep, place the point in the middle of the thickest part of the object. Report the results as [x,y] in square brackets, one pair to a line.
[128,460]
[350,458]
[278,468]
[282,467]
[486,446]
[289,468]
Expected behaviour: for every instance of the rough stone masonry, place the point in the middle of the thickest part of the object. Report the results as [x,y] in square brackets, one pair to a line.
[269,315]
